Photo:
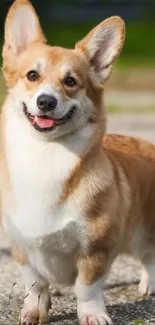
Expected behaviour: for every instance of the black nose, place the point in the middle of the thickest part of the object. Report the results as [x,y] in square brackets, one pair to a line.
[46,103]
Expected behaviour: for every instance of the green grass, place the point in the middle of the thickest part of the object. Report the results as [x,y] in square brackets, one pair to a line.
[139,48]
[138,321]
[113,109]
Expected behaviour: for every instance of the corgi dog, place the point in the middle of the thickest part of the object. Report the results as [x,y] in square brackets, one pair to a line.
[72,198]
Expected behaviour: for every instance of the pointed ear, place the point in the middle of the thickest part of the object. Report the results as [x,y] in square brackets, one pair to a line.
[102,47]
[22,27]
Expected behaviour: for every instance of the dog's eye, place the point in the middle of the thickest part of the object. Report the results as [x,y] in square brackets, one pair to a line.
[32,75]
[70,81]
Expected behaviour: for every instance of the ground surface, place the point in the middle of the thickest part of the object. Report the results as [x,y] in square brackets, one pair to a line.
[123,302]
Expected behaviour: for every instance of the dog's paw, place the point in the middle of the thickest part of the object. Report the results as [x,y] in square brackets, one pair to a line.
[30,317]
[99,319]
[33,317]
[147,282]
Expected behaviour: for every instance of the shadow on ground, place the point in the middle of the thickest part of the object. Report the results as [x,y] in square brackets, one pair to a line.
[122,314]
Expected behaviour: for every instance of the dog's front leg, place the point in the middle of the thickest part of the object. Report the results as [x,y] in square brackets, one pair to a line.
[37,298]
[88,289]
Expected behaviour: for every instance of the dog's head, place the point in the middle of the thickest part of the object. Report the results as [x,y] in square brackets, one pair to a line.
[57,90]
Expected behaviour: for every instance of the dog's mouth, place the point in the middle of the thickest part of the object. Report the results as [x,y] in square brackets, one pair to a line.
[44,123]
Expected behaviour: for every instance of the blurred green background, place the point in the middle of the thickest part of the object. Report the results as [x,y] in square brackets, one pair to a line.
[132,84]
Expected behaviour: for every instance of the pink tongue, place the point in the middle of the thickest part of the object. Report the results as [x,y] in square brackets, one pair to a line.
[43,122]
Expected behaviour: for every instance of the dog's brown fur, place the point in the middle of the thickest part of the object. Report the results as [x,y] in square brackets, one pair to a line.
[127,203]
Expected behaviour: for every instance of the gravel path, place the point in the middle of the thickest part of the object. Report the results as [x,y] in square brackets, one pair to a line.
[122,299]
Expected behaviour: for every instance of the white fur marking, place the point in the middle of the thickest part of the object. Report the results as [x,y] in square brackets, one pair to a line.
[41,64]
[91,302]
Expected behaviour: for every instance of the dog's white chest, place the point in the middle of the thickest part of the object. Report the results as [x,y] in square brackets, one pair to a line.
[38,171]
[48,230]
[37,186]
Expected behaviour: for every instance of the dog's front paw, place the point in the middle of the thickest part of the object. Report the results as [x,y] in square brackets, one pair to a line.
[147,282]
[29,317]
[99,319]
[32,317]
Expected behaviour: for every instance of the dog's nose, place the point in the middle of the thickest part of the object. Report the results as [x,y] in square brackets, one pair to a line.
[46,103]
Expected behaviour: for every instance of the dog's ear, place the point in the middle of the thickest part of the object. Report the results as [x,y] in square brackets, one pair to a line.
[22,27]
[102,46]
